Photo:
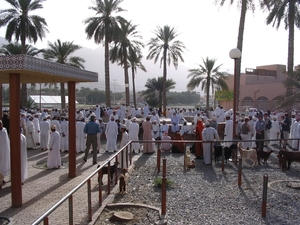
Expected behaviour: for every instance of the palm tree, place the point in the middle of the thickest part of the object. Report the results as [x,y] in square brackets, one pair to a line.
[165,44]
[103,28]
[126,43]
[208,75]
[287,11]
[61,52]
[20,24]
[154,90]
[134,62]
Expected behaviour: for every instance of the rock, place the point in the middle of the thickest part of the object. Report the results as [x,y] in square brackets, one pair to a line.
[122,216]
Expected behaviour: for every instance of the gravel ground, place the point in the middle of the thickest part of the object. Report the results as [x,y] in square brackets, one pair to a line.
[206,195]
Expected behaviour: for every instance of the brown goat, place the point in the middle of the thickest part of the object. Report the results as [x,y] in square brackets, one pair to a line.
[290,157]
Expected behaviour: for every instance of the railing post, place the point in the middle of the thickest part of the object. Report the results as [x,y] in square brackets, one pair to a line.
[164,189]
[89,199]
[223,156]
[264,198]
[108,178]
[116,173]
[158,160]
[240,172]
[130,155]
[71,210]
[46,221]
[100,187]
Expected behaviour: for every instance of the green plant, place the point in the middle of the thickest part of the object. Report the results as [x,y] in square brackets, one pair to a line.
[158,182]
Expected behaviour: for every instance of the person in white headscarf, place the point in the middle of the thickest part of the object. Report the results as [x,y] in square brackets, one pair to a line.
[155,129]
[208,134]
[4,152]
[30,133]
[228,133]
[124,141]
[275,131]
[64,132]
[54,158]
[45,134]
[80,136]
[37,129]
[24,163]
[111,133]
[134,135]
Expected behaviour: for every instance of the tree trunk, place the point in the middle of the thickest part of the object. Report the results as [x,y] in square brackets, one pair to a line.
[207,93]
[106,68]
[24,86]
[240,47]
[1,99]
[127,100]
[63,96]
[164,94]
[133,87]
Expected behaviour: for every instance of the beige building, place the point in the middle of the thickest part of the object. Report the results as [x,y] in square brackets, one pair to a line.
[259,88]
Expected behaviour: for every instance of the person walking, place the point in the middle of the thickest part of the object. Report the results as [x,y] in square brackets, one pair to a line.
[208,134]
[91,129]
[147,136]
[54,158]
[134,135]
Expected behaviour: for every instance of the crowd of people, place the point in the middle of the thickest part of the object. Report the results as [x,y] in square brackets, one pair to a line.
[48,131]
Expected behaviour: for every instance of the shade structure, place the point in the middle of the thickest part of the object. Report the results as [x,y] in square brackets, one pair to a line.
[16,69]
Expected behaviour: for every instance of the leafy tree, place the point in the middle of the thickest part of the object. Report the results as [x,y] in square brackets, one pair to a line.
[134,62]
[61,52]
[16,48]
[290,99]
[127,43]
[165,45]
[103,28]
[287,11]
[154,90]
[20,24]
[94,97]
[209,76]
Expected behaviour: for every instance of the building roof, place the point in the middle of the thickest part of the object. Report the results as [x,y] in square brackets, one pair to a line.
[35,70]
[48,99]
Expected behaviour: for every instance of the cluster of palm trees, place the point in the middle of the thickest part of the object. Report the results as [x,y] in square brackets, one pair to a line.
[123,44]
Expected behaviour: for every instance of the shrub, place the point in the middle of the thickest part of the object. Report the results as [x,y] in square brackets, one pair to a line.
[158,182]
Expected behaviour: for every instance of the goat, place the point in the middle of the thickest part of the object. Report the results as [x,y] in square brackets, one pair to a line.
[122,181]
[218,153]
[113,170]
[263,155]
[290,157]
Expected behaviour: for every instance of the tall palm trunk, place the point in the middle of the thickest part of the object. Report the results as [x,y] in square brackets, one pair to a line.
[240,47]
[24,86]
[127,100]
[164,94]
[106,68]
[133,86]
[63,96]
[291,18]
[207,92]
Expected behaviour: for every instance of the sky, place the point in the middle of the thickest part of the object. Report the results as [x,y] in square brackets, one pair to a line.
[206,29]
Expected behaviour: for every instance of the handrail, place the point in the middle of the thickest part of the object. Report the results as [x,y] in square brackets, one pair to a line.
[44,217]
[66,197]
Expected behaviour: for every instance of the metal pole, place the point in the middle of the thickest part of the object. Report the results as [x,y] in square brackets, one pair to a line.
[108,178]
[164,189]
[264,199]
[100,187]
[240,172]
[40,97]
[223,156]
[89,200]
[158,160]
[234,99]
[71,210]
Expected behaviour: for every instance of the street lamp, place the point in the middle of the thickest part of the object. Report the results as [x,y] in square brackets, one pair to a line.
[114,80]
[234,54]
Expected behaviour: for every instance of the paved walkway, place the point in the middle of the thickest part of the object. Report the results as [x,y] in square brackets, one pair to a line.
[46,187]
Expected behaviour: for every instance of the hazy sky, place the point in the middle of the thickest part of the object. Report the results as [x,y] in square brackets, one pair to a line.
[205,28]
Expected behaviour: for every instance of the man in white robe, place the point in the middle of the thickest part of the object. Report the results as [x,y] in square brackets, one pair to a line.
[154,117]
[80,136]
[122,112]
[111,133]
[155,129]
[228,132]
[294,133]
[175,123]
[54,158]
[4,151]
[64,132]
[97,112]
[134,135]
[208,134]
[45,134]
[37,129]
[23,123]
[56,123]
[164,128]
[24,163]
[30,133]
[166,147]
[124,141]
[185,129]
[275,131]
[146,110]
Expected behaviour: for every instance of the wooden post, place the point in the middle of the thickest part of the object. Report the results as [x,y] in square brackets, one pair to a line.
[72,129]
[158,160]
[15,142]
[240,172]
[223,156]
[264,198]
[164,188]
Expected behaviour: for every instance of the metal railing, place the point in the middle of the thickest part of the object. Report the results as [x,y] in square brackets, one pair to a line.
[69,196]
